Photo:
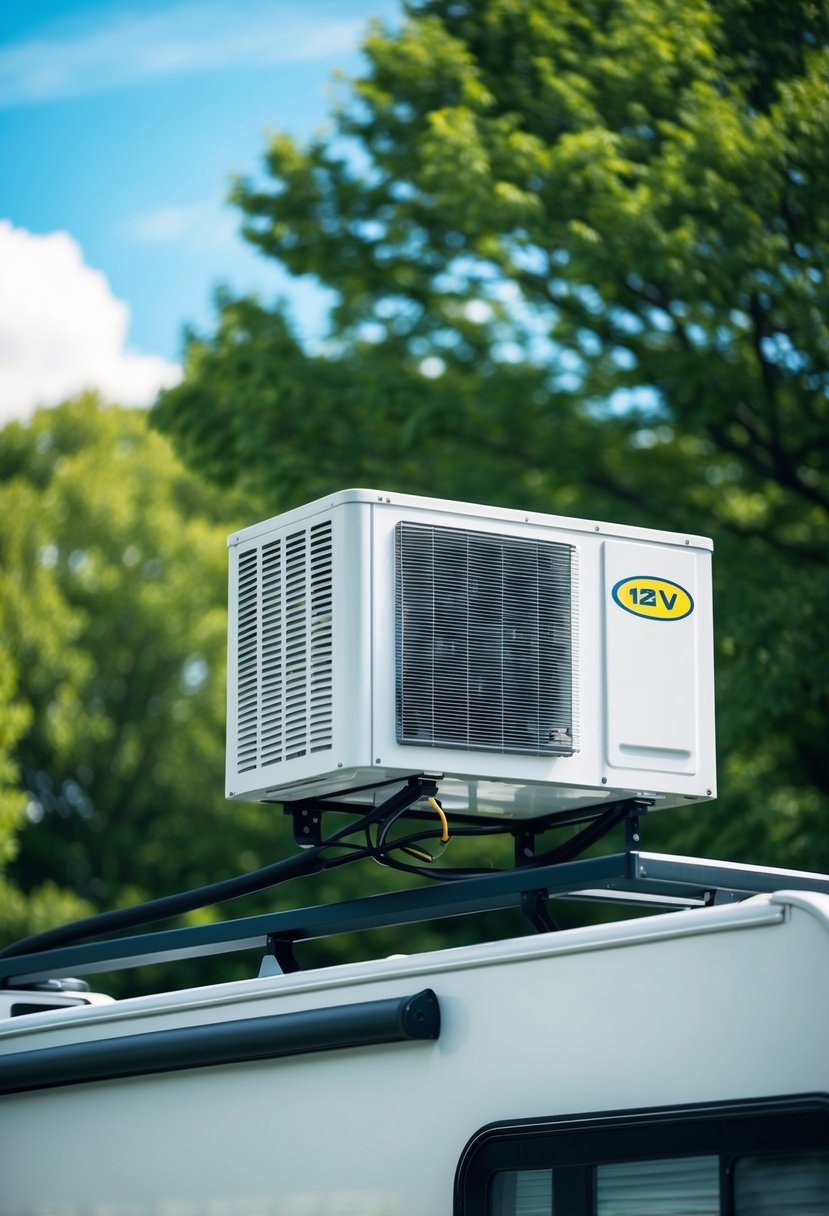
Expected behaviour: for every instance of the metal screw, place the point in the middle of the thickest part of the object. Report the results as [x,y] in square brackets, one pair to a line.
[687,542]
[708,791]
[596,529]
[378,761]
[604,780]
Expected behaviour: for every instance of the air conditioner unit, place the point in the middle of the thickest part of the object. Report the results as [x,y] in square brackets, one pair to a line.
[531,663]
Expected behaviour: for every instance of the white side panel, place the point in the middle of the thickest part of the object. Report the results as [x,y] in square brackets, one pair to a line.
[304,712]
[657,667]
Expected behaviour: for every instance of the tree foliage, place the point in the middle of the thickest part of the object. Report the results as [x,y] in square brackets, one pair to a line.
[579,255]
[13,720]
[113,561]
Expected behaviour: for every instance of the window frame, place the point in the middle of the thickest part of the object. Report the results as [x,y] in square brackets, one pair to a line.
[573,1145]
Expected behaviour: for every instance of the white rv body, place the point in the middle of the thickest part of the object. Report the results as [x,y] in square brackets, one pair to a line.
[721,1005]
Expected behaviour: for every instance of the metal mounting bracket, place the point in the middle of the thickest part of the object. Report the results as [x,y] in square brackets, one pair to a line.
[307,814]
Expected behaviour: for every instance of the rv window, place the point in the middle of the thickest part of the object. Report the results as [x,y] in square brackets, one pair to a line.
[763,1186]
[764,1158]
[669,1187]
[521,1193]
[767,1186]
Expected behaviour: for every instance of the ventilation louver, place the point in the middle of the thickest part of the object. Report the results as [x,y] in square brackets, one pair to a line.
[484,641]
[284,671]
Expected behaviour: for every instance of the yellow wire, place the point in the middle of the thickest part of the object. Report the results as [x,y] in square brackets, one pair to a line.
[418,854]
[435,805]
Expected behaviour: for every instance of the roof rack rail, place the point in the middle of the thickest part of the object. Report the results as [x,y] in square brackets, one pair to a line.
[630,876]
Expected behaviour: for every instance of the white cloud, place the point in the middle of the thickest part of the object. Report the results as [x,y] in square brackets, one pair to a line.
[62,330]
[74,60]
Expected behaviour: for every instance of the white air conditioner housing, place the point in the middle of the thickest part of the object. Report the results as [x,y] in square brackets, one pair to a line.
[530,663]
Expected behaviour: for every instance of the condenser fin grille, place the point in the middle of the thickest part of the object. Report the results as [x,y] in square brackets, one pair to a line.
[484,641]
[284,652]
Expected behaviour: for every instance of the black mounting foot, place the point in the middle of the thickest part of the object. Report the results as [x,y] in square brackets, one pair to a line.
[307,826]
[282,949]
[535,906]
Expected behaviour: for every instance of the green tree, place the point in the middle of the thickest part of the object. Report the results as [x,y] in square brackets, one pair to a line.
[12,725]
[579,258]
[13,720]
[113,575]
[49,903]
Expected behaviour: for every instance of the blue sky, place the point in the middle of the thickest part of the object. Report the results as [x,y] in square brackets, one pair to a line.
[121,122]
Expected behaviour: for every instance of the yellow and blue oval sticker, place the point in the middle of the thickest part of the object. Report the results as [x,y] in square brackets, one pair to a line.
[657,599]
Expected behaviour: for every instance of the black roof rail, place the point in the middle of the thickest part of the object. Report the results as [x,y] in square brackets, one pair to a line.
[630,876]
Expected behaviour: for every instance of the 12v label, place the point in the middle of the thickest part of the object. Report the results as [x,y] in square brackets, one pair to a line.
[658,599]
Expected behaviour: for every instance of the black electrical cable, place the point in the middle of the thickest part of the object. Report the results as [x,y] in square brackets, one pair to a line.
[566,851]
[577,844]
[388,823]
[392,863]
[168,906]
[490,829]
[310,861]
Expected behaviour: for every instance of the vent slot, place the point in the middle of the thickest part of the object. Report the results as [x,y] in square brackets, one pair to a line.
[284,649]
[247,655]
[321,639]
[272,684]
[484,638]
[296,645]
